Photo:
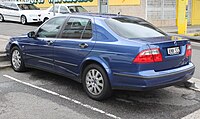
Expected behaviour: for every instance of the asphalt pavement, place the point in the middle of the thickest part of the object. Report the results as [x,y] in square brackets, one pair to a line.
[35,94]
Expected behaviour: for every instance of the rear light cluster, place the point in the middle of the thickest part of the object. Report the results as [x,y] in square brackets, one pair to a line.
[188,50]
[149,56]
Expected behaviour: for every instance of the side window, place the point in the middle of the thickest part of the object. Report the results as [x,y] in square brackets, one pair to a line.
[1,6]
[77,28]
[14,6]
[72,9]
[7,6]
[63,10]
[56,9]
[51,28]
[87,34]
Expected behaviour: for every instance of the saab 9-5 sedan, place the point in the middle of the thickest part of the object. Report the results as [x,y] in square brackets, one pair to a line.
[104,52]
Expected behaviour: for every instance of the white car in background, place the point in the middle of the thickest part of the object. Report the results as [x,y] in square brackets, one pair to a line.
[20,12]
[61,9]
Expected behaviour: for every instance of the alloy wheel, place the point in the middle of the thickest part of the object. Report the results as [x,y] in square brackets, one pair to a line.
[94,82]
[16,59]
[23,20]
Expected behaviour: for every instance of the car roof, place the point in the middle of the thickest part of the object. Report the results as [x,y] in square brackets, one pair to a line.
[16,2]
[100,15]
[68,4]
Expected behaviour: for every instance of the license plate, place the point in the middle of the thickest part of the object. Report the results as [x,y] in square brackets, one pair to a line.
[173,51]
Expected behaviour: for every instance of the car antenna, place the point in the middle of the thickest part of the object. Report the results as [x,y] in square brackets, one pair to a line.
[118,13]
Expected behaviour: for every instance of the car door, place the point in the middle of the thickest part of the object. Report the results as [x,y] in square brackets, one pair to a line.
[50,13]
[73,46]
[6,12]
[14,12]
[39,50]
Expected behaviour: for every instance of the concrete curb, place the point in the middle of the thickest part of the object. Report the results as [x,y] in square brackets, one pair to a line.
[5,37]
[3,57]
[191,38]
[196,86]
[5,66]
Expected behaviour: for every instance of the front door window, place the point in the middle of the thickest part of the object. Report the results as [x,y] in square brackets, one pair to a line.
[51,28]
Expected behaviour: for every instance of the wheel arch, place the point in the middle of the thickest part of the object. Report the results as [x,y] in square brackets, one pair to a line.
[14,45]
[3,19]
[98,61]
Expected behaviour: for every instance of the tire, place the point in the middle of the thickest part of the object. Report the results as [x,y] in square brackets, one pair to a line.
[16,60]
[95,78]
[1,18]
[23,20]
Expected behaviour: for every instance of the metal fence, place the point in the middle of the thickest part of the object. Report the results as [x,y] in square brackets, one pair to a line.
[161,9]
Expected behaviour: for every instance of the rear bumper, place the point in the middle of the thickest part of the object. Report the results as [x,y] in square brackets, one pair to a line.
[148,80]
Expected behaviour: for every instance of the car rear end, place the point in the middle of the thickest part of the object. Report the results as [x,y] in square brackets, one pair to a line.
[164,62]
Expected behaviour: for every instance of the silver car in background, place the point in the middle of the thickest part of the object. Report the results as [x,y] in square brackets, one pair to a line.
[61,9]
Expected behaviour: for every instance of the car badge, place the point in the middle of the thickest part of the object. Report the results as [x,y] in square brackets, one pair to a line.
[175,43]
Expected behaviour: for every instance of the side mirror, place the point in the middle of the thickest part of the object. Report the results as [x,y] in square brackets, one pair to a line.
[31,34]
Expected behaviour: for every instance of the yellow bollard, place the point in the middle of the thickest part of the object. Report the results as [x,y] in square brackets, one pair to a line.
[182,15]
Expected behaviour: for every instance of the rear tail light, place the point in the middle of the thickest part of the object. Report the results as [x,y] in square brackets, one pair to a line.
[149,56]
[188,50]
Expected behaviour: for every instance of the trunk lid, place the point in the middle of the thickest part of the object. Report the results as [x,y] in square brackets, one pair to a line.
[173,51]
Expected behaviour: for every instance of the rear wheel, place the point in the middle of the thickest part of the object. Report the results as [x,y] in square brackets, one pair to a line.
[17,61]
[96,82]
[23,20]
[1,18]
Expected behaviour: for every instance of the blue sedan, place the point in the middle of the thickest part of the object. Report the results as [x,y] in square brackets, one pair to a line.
[104,52]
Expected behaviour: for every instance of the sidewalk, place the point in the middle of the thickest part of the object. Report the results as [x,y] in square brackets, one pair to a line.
[174,29]
[194,30]
[3,41]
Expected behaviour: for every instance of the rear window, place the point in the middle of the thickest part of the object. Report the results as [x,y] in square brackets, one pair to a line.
[131,27]
[73,9]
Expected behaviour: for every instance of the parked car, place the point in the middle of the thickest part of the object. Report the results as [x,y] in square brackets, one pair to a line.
[19,12]
[62,9]
[104,52]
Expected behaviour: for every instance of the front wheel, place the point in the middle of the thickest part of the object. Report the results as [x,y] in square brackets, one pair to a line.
[96,82]
[17,61]
[23,20]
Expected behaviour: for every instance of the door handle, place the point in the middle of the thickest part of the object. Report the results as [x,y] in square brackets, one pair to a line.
[83,45]
[49,42]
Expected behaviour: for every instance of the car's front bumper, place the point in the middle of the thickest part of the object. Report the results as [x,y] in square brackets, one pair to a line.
[148,80]
[33,19]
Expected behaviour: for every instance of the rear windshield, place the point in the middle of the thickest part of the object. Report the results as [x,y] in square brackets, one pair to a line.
[77,9]
[27,7]
[131,27]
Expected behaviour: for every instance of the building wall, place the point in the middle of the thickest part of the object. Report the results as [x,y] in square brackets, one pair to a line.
[195,18]
[136,9]
[93,9]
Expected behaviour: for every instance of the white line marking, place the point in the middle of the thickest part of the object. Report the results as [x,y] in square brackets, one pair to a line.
[64,97]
